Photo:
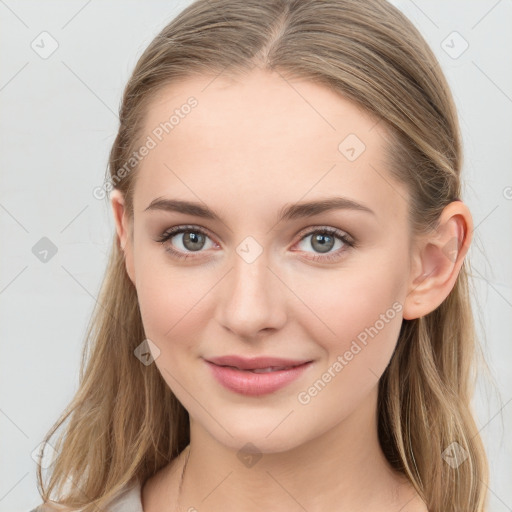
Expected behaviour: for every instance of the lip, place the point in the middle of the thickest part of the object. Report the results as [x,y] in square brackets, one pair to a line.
[252,363]
[245,382]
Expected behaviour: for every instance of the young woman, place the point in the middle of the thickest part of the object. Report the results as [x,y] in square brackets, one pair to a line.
[285,321]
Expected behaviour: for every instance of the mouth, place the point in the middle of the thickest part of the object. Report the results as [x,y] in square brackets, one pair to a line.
[265,363]
[263,370]
[257,381]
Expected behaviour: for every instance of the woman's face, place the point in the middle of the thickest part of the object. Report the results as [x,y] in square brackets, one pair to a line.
[252,283]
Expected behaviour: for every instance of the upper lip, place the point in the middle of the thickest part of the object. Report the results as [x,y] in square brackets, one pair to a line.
[254,363]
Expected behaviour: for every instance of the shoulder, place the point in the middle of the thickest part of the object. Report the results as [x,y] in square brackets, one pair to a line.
[50,508]
[162,488]
[127,500]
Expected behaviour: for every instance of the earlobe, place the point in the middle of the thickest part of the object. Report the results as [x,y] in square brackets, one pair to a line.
[438,259]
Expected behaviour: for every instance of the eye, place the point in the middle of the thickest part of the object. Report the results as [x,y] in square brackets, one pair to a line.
[193,240]
[323,240]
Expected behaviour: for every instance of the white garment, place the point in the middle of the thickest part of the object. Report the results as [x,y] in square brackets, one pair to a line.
[128,500]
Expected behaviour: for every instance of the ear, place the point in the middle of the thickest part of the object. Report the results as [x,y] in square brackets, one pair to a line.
[124,229]
[437,260]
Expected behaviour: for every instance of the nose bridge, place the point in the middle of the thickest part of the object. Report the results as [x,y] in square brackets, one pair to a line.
[250,297]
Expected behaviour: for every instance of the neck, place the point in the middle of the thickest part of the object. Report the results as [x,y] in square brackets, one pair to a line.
[343,466]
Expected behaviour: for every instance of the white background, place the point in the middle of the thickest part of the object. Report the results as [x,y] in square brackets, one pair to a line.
[57,125]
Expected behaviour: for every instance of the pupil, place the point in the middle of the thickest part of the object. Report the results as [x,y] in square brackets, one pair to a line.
[194,239]
[324,246]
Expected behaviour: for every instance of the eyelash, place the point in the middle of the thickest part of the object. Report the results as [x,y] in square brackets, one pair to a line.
[340,235]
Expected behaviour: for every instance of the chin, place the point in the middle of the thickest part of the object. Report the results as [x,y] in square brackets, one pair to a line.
[253,438]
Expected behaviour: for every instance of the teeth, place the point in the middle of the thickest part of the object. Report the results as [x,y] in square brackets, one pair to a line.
[270,369]
[262,370]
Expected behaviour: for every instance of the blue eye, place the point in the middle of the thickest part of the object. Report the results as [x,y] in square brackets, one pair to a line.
[324,239]
[195,239]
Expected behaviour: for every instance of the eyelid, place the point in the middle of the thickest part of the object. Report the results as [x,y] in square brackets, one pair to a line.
[345,238]
[348,240]
[311,230]
[306,231]
[181,228]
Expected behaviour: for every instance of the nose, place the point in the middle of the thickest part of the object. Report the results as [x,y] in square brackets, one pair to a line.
[251,298]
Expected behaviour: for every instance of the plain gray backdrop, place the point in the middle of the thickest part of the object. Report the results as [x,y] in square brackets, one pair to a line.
[63,69]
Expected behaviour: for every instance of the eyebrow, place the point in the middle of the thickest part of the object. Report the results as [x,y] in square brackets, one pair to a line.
[287,212]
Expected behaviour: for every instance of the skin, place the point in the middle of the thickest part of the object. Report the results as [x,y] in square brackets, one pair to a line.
[252,145]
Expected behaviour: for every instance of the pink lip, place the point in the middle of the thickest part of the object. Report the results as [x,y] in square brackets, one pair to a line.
[248,383]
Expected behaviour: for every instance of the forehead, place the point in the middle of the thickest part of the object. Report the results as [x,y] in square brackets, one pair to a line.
[262,140]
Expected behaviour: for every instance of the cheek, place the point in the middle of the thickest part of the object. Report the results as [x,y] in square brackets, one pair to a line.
[174,305]
[365,315]
[353,313]
[169,319]
[164,292]
[357,312]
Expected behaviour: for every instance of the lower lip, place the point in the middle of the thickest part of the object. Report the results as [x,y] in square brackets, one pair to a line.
[255,384]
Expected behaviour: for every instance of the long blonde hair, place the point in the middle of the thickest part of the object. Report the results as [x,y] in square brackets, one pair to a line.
[370,53]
